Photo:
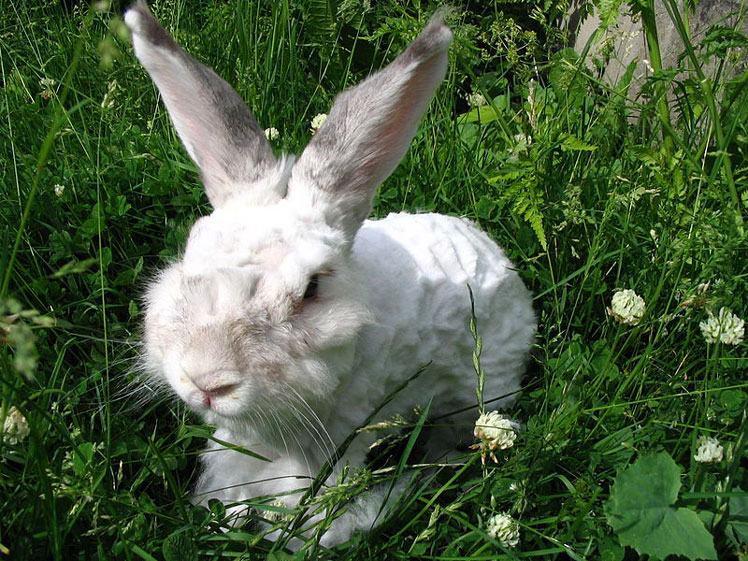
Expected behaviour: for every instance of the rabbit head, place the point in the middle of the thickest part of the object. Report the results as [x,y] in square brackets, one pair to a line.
[266,302]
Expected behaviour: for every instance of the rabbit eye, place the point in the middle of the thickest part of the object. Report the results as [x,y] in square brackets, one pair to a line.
[311,288]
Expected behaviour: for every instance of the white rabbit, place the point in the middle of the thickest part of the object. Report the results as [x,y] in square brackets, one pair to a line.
[291,317]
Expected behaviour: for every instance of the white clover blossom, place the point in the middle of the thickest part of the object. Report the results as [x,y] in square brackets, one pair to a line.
[318,121]
[503,528]
[47,84]
[15,427]
[725,327]
[709,450]
[627,307]
[523,139]
[522,143]
[476,99]
[496,432]
[59,189]
[271,133]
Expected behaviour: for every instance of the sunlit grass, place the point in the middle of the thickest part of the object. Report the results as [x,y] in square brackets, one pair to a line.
[587,199]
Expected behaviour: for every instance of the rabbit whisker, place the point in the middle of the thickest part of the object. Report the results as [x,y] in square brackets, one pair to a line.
[324,440]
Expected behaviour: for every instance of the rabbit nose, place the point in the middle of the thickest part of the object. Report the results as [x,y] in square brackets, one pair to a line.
[213,383]
[220,390]
[212,393]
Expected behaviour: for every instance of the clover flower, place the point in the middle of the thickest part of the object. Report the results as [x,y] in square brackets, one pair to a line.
[709,451]
[726,328]
[318,121]
[522,143]
[15,427]
[523,140]
[59,189]
[496,432]
[503,528]
[272,133]
[476,99]
[47,85]
[627,307]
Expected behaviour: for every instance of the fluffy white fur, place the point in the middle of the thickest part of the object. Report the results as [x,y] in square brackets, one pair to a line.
[289,318]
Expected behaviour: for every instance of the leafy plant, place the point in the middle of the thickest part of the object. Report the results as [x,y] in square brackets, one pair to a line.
[642,513]
[590,188]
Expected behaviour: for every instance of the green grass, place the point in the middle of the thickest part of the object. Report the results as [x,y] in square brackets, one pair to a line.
[589,192]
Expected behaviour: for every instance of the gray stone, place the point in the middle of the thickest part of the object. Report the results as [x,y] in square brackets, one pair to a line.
[627,40]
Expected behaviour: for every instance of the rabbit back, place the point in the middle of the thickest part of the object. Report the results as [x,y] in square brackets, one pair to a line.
[416,269]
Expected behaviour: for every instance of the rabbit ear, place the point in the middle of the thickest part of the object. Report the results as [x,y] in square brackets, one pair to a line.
[368,131]
[215,126]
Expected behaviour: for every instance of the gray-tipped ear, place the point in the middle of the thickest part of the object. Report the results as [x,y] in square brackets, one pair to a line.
[368,132]
[214,124]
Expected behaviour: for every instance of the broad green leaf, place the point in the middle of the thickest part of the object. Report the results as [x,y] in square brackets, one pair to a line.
[610,551]
[738,521]
[82,457]
[732,401]
[484,207]
[567,79]
[482,114]
[640,511]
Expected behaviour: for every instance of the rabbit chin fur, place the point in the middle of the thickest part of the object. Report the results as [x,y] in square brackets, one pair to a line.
[290,318]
